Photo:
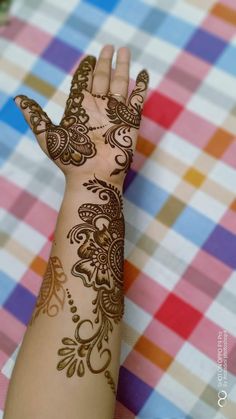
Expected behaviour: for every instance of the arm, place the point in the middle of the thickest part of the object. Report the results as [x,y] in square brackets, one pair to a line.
[69,359]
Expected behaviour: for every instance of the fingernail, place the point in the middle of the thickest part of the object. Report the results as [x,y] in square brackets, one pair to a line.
[109,46]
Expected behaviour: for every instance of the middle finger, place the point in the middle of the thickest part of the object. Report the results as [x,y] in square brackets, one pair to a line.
[102,72]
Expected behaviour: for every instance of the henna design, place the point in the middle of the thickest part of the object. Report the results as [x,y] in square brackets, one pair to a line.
[101,244]
[39,120]
[125,118]
[69,142]
[52,294]
[110,381]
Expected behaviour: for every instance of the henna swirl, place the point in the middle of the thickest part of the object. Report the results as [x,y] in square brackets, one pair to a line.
[101,245]
[125,118]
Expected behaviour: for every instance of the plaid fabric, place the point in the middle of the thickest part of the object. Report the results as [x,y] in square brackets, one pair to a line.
[179,198]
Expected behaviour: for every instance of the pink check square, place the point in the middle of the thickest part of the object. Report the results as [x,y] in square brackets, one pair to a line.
[147,293]
[42,218]
[33,39]
[193,128]
[9,193]
[143,368]
[218,27]
[164,337]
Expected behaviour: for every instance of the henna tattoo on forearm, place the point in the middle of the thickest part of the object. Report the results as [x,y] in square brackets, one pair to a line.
[52,293]
[100,237]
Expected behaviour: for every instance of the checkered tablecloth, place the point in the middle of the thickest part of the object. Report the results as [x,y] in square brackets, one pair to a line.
[179,197]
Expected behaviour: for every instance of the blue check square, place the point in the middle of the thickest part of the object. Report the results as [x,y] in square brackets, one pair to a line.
[3,98]
[227,60]
[194,226]
[153,20]
[162,407]
[51,74]
[125,10]
[175,30]
[7,284]
[108,6]
[11,115]
[146,195]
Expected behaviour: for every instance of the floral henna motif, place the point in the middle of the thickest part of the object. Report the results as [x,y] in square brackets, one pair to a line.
[125,118]
[52,293]
[100,266]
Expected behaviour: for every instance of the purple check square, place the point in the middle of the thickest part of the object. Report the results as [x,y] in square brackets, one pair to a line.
[20,303]
[61,55]
[132,392]
[206,46]
[222,245]
[129,178]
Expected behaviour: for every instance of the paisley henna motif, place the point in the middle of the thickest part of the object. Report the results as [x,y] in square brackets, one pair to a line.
[52,293]
[101,244]
[125,119]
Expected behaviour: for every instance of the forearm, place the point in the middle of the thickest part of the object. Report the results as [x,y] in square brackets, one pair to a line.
[68,363]
[69,360]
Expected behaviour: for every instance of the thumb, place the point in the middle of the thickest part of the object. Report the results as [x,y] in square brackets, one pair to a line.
[137,96]
[36,118]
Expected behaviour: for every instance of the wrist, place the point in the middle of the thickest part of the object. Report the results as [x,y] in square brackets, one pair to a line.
[75,184]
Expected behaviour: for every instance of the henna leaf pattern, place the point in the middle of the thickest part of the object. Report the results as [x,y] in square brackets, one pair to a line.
[52,293]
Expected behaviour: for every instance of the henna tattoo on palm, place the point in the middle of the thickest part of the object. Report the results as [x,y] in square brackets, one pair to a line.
[69,142]
[101,244]
[73,141]
[52,293]
[126,121]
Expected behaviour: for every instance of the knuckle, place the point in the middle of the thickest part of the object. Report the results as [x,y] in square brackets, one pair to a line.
[100,74]
[122,64]
[121,79]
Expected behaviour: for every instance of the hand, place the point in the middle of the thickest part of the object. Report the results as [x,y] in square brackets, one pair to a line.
[99,128]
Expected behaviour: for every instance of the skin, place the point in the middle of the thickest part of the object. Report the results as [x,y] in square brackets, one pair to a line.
[69,359]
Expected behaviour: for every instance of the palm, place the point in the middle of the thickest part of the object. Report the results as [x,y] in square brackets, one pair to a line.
[95,129]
